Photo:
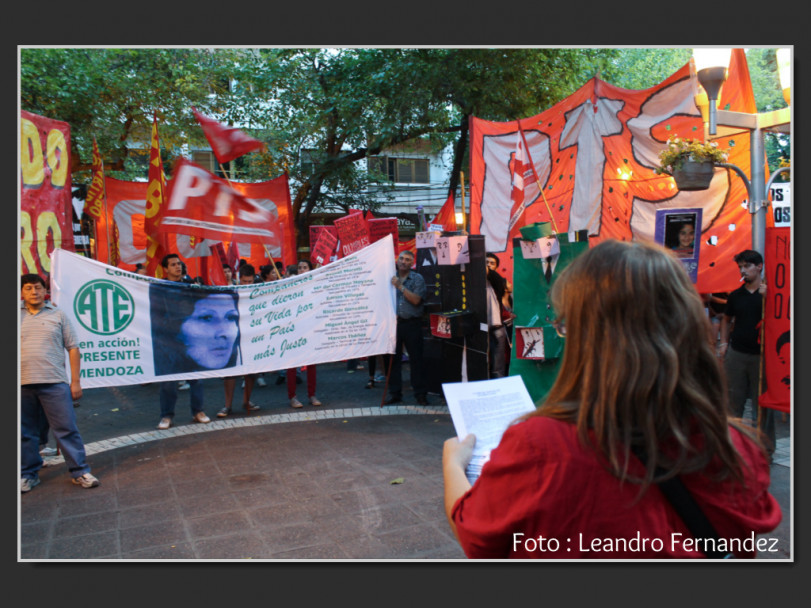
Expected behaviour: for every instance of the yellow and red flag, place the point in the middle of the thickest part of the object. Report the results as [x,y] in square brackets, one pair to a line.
[94,202]
[156,246]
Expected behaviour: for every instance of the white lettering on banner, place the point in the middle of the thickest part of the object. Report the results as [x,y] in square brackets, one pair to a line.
[190,182]
[171,331]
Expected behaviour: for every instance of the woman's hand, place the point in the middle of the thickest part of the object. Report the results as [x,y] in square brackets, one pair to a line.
[458,453]
[456,456]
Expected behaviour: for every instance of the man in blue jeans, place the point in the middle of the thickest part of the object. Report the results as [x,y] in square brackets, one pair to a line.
[173,271]
[45,334]
[410,288]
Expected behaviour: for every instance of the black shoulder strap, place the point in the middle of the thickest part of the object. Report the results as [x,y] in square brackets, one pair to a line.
[689,511]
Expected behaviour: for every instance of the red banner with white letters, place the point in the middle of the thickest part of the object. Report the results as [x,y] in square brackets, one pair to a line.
[200,204]
[777,320]
[126,203]
[46,208]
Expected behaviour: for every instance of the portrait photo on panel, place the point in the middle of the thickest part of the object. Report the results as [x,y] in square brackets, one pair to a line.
[680,233]
[193,329]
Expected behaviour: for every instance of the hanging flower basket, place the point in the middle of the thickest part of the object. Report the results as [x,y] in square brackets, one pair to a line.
[690,162]
[693,175]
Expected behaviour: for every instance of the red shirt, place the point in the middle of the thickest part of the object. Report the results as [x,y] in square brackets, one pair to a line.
[543,495]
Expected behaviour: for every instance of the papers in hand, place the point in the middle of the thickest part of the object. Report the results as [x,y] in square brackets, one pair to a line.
[486,408]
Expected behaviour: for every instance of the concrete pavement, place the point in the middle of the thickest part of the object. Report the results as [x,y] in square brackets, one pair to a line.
[348,480]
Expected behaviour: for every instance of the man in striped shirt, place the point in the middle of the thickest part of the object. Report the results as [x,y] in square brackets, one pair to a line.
[45,335]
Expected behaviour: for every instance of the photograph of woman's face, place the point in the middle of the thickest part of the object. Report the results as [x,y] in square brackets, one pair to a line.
[686,235]
[210,331]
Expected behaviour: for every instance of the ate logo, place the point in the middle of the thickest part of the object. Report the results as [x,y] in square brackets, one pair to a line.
[104,307]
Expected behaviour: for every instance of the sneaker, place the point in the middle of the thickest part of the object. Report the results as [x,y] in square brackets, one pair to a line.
[260,381]
[380,378]
[27,483]
[201,418]
[86,481]
[296,403]
[165,423]
[314,400]
[183,386]
[47,451]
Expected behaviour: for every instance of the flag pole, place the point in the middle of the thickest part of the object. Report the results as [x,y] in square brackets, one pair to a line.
[537,179]
[464,216]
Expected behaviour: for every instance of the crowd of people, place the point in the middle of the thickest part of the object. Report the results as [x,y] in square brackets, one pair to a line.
[597,460]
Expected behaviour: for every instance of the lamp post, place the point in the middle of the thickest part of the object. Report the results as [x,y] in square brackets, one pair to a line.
[711,72]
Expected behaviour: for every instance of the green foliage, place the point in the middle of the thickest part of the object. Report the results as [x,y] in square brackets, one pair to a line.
[643,68]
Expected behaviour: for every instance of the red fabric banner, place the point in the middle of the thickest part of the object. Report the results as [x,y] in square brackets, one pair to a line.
[200,204]
[46,208]
[594,154]
[777,351]
[126,203]
[227,143]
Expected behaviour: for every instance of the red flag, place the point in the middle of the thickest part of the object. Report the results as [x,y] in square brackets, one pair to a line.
[520,166]
[214,273]
[446,216]
[156,242]
[95,193]
[227,143]
[232,258]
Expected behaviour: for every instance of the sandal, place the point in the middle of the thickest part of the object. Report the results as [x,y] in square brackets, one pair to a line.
[224,412]
[250,406]
[370,384]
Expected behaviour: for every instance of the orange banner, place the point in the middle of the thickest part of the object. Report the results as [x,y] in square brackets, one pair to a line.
[594,154]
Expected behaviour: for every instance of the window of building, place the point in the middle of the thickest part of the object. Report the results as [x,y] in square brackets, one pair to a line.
[207,160]
[401,170]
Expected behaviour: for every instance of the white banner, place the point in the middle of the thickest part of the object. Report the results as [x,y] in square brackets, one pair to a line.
[134,329]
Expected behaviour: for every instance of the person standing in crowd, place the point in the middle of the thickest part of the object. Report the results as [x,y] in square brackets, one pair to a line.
[229,274]
[45,389]
[740,341]
[173,271]
[498,351]
[629,410]
[303,266]
[374,378]
[410,288]
[247,273]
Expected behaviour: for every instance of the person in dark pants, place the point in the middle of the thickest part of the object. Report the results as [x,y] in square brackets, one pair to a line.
[410,295]
[173,271]
[740,344]
[46,390]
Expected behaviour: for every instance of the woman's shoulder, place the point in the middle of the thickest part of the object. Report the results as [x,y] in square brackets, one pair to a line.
[543,433]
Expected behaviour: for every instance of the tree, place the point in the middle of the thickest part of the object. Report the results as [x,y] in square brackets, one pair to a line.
[337,106]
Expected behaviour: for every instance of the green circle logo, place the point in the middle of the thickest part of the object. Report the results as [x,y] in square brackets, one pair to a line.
[104,307]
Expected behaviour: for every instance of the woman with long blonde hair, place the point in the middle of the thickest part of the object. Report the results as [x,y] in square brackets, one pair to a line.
[640,398]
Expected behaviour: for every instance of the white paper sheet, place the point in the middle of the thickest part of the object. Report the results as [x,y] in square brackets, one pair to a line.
[486,408]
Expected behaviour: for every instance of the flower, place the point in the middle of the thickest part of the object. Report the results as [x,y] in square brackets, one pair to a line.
[680,150]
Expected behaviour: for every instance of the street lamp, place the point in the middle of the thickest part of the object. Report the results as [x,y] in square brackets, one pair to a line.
[711,72]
